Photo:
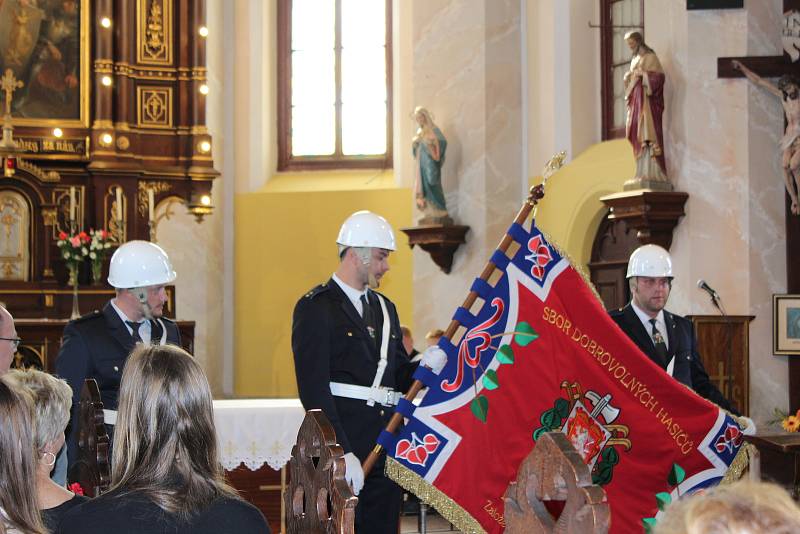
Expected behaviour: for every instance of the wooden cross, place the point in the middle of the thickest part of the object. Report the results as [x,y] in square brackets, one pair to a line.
[9,84]
[768,67]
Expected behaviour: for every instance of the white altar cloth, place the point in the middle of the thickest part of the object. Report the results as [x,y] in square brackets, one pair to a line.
[257,431]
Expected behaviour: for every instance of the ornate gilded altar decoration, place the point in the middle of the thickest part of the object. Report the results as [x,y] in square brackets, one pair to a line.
[154,35]
[142,199]
[14,229]
[9,149]
[154,106]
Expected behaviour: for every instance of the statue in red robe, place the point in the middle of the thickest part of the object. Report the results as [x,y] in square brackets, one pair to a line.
[644,99]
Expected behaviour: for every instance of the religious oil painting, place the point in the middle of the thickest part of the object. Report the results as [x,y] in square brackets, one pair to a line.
[786,324]
[45,43]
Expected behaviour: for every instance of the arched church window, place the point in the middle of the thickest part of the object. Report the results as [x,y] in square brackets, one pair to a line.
[334,84]
[617,17]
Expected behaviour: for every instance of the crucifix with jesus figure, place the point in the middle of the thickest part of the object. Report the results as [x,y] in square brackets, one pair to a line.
[787,68]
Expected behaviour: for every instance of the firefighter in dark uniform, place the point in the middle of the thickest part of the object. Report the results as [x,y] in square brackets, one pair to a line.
[667,339]
[350,361]
[97,345]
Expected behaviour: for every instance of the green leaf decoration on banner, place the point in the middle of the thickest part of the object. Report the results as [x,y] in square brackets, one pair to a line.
[490,380]
[610,455]
[676,475]
[663,500]
[480,407]
[603,474]
[525,334]
[550,419]
[505,354]
[649,524]
[562,407]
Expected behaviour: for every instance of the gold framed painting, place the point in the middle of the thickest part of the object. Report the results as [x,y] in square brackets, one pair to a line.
[786,324]
[46,45]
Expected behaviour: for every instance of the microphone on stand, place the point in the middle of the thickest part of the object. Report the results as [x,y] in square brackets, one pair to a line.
[707,288]
[715,300]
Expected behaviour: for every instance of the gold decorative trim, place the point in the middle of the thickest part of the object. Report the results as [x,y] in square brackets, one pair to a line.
[38,172]
[141,196]
[154,32]
[740,463]
[429,494]
[154,106]
[49,216]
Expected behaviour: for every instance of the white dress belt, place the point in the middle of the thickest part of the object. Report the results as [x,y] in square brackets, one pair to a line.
[382,394]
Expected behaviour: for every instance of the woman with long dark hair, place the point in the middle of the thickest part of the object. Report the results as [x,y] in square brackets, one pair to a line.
[166,475]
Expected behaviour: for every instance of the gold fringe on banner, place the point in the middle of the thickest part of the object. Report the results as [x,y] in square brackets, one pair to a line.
[739,464]
[428,494]
[578,268]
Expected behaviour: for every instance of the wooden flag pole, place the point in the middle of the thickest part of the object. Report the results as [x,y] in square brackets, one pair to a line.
[535,194]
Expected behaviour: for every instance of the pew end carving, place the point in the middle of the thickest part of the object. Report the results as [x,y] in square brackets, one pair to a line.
[93,469]
[318,499]
[554,471]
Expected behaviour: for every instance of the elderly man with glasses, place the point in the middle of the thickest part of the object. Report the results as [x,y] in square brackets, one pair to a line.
[8,340]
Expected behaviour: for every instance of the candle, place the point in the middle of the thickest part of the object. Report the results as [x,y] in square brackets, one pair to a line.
[151,204]
[72,203]
[119,203]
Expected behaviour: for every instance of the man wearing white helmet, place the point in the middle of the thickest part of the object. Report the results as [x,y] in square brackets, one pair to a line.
[97,345]
[667,339]
[350,361]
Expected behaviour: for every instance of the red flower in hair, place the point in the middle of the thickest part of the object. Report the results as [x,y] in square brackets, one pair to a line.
[75,488]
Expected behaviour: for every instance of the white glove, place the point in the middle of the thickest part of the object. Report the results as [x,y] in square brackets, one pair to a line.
[353,473]
[434,358]
[748,425]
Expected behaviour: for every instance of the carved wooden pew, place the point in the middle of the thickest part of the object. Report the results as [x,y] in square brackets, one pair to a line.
[554,471]
[93,469]
[318,499]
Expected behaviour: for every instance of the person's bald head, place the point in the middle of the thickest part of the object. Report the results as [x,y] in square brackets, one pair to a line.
[7,346]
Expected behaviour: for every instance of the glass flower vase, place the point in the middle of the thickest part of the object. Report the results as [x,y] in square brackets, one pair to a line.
[73,281]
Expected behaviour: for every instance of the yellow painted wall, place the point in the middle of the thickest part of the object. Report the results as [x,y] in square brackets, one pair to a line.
[285,242]
[571,210]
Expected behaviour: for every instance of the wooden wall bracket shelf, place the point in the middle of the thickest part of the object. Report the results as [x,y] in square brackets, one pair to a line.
[440,241]
[653,214]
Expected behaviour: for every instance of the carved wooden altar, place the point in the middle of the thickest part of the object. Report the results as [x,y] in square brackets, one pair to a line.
[107,128]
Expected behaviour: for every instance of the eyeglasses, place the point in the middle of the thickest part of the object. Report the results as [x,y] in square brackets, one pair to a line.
[15,341]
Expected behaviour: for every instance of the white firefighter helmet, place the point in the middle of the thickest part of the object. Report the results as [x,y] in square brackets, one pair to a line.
[650,260]
[140,264]
[366,229]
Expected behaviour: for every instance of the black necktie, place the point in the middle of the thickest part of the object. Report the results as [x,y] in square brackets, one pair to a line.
[135,334]
[367,315]
[661,346]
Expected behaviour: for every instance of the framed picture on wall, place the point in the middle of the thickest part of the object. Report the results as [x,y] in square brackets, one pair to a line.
[786,324]
[46,46]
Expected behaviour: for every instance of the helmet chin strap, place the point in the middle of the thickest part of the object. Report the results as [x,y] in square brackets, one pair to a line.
[365,255]
[141,294]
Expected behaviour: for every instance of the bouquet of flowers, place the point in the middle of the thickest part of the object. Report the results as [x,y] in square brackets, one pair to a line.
[99,246]
[73,249]
[789,422]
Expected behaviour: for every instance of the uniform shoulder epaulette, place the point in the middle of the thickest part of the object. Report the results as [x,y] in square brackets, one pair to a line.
[88,317]
[322,288]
